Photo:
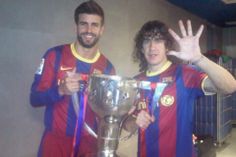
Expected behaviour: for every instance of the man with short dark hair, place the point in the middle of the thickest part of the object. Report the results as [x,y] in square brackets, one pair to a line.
[62,73]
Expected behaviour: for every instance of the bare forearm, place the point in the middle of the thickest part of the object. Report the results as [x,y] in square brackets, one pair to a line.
[223,81]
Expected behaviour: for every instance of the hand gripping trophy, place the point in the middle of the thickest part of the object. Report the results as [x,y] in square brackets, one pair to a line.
[111,98]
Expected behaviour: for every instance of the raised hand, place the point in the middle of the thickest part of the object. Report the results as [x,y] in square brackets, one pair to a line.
[188,43]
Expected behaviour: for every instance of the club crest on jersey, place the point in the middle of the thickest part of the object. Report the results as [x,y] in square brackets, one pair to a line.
[167,100]
[167,79]
[40,68]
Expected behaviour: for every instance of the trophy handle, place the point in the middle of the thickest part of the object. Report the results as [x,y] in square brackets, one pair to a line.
[75,103]
[135,131]
[90,131]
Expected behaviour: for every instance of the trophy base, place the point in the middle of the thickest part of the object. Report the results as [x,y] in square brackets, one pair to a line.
[107,155]
[101,155]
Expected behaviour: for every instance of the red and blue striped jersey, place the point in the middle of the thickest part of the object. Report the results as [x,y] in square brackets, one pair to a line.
[170,135]
[60,116]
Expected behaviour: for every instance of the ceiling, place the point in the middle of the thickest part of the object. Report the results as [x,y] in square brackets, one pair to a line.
[214,11]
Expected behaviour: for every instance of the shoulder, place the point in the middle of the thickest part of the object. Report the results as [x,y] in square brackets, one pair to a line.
[140,76]
[104,59]
[102,56]
[56,49]
[188,68]
[191,67]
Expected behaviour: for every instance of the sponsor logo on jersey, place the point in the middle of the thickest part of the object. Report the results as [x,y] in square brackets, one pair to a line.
[64,68]
[142,105]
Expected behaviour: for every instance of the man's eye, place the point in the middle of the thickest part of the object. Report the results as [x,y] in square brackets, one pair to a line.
[146,41]
[95,25]
[82,23]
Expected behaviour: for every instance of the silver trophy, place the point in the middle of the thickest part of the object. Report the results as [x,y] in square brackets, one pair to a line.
[110,97]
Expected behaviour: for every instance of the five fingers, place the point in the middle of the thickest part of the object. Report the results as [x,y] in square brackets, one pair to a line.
[185,32]
[189,27]
[189,31]
[182,28]
[200,30]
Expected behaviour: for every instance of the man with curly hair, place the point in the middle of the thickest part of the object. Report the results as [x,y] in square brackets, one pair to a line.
[165,126]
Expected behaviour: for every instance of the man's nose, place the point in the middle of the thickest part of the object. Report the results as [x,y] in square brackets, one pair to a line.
[152,45]
[89,29]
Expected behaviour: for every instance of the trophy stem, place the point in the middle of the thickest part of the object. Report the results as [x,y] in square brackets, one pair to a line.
[108,136]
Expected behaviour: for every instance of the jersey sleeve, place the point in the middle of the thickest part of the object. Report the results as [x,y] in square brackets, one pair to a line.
[194,78]
[44,89]
[110,70]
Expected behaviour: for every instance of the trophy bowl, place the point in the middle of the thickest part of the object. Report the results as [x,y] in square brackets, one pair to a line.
[110,97]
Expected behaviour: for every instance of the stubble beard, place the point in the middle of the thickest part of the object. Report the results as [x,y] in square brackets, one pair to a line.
[86,44]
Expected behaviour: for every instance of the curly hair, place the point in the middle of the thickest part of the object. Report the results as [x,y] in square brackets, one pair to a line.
[150,30]
[89,7]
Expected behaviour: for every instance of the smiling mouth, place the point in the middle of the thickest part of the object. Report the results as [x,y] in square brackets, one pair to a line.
[153,55]
[88,37]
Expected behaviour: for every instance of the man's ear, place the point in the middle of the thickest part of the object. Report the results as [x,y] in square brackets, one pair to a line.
[102,29]
[75,28]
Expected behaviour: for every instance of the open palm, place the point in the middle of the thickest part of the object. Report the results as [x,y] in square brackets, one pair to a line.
[188,43]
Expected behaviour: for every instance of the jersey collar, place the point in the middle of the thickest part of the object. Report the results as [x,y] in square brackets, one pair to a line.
[74,52]
[163,68]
